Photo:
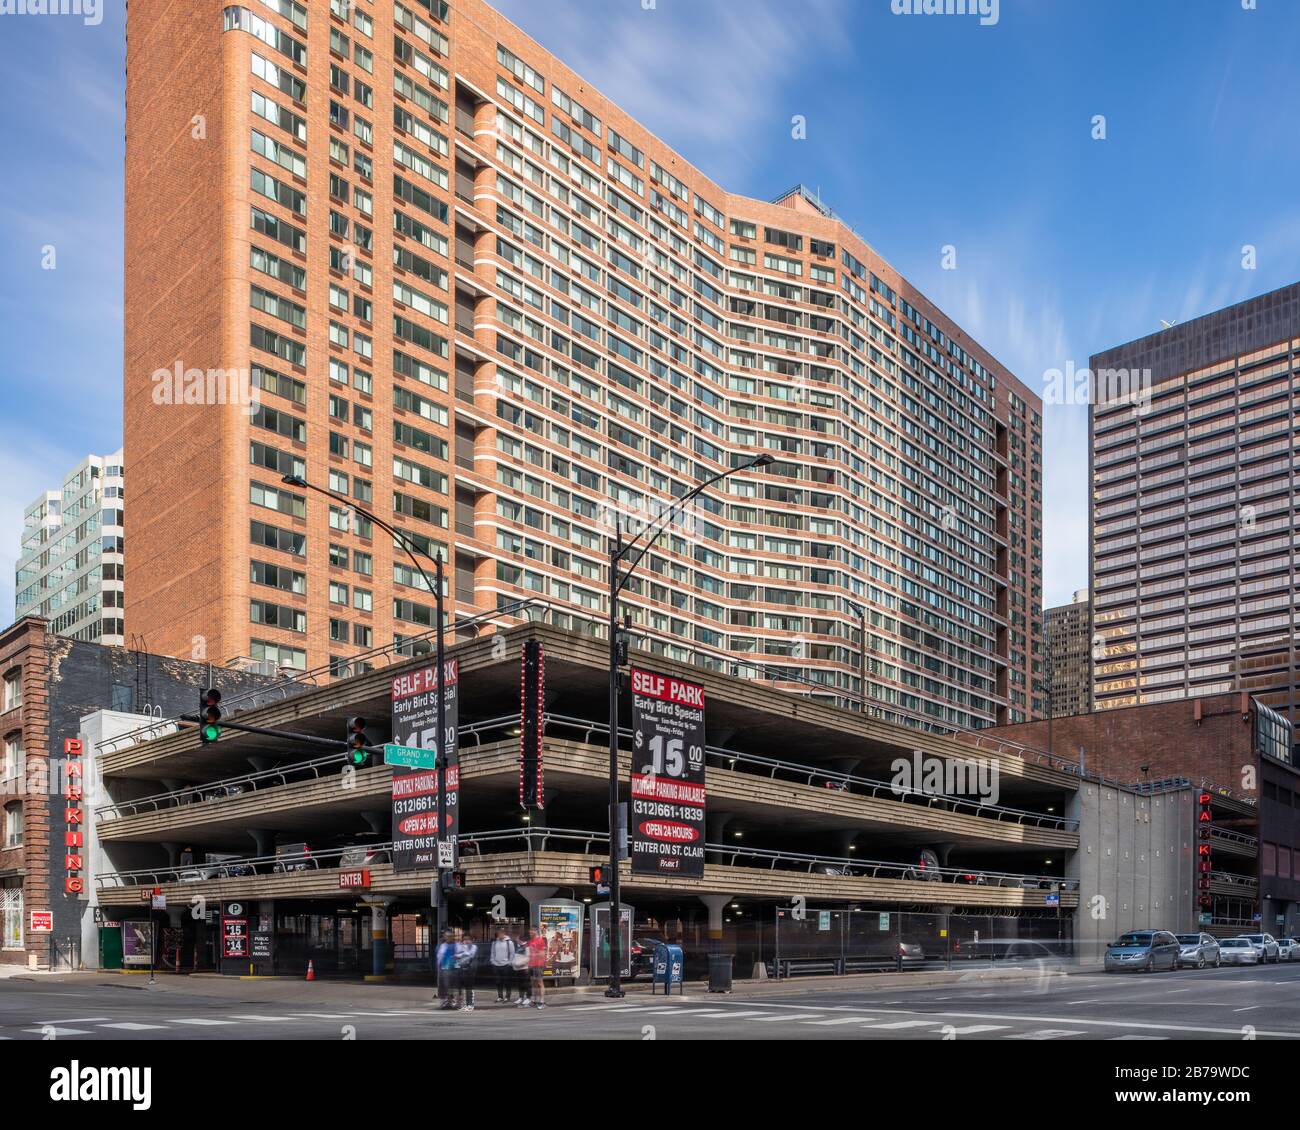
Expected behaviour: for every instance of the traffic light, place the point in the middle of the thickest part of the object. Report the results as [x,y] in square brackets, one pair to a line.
[452,880]
[209,715]
[599,876]
[358,754]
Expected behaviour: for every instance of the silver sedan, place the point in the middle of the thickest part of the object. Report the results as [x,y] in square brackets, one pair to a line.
[1199,950]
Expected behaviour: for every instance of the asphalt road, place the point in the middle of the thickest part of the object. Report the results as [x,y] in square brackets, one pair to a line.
[1261,1003]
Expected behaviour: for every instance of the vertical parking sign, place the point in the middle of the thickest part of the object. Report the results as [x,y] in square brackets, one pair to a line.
[418,842]
[666,826]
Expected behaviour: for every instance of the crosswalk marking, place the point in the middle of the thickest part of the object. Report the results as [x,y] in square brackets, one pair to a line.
[263,1019]
[971,1029]
[788,1016]
[128,1026]
[905,1024]
[323,1015]
[744,1015]
[203,1022]
[1133,1036]
[51,1030]
[840,1020]
[1045,1034]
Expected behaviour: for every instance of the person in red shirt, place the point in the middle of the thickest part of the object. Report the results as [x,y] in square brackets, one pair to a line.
[536,946]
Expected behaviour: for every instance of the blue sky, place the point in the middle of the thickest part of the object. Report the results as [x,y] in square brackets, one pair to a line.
[922,132]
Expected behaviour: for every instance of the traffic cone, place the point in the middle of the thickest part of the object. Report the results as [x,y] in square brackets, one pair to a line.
[311,971]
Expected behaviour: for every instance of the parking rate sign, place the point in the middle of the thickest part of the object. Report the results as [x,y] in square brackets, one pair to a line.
[415,791]
[666,826]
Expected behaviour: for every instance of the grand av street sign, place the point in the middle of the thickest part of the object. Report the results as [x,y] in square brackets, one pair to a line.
[411,756]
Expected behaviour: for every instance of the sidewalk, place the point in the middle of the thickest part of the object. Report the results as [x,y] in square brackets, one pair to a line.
[294,990]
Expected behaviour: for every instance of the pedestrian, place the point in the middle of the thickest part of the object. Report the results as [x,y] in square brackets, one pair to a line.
[445,959]
[520,966]
[466,968]
[537,963]
[501,957]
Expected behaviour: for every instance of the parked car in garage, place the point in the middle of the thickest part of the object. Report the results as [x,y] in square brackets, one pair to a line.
[1238,951]
[1142,951]
[1265,945]
[1199,950]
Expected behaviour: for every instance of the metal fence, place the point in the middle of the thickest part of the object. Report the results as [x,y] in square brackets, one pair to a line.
[805,939]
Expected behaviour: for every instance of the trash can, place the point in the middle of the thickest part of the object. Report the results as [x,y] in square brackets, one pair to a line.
[720,972]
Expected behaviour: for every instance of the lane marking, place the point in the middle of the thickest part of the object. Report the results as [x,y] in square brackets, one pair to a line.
[1020,1018]
[128,1026]
[792,1019]
[202,1022]
[1135,1036]
[49,1028]
[971,1029]
[75,1020]
[263,1019]
[1045,1034]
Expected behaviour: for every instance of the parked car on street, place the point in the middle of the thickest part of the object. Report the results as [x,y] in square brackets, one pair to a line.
[1199,950]
[1238,951]
[1265,945]
[1288,949]
[1142,951]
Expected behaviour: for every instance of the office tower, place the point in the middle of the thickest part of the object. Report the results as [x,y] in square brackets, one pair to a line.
[1067,642]
[1194,509]
[70,559]
[473,296]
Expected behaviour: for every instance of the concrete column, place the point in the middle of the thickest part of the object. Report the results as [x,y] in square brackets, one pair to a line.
[535,894]
[378,906]
[263,841]
[715,829]
[715,904]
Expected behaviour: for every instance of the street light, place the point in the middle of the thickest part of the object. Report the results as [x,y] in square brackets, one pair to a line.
[618,580]
[440,901]
[861,610]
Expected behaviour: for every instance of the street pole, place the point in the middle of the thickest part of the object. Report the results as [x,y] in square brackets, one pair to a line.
[616,936]
[442,758]
[618,578]
[862,659]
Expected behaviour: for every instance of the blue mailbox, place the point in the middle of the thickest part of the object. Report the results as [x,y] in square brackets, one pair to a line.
[667,968]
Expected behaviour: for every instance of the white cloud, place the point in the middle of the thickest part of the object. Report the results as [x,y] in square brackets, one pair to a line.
[708,78]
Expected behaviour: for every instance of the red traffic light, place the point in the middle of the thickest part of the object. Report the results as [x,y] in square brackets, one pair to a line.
[599,876]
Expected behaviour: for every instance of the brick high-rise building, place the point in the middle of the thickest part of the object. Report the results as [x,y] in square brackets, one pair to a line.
[1067,643]
[1195,511]
[477,298]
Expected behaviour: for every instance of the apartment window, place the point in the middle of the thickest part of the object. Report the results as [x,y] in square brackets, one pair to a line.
[13,757]
[14,825]
[13,690]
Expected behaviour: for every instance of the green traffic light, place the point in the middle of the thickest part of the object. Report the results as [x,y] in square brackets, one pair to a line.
[359,756]
[211,733]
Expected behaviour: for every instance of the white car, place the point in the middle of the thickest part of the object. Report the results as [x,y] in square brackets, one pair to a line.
[1288,949]
[1238,951]
[1265,945]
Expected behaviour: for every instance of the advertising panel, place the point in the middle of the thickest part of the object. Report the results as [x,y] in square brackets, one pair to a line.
[559,921]
[415,791]
[668,798]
